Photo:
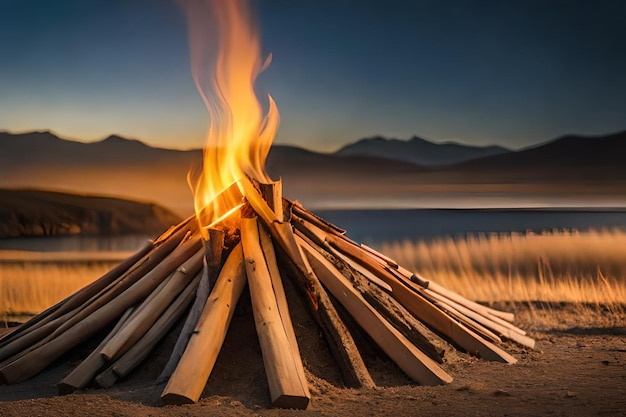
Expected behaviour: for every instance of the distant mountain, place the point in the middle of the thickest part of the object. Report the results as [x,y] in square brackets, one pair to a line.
[419,151]
[132,169]
[45,148]
[26,212]
[574,167]
[588,158]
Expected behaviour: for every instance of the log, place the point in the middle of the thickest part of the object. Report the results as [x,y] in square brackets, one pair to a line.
[140,350]
[41,335]
[193,370]
[78,298]
[341,343]
[281,300]
[485,321]
[423,309]
[281,359]
[89,367]
[451,295]
[384,304]
[211,266]
[411,360]
[149,311]
[39,358]
[312,218]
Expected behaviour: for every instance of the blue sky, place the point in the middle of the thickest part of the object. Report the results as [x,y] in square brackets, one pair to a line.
[512,73]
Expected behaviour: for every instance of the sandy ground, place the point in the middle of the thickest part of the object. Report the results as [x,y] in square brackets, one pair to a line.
[575,370]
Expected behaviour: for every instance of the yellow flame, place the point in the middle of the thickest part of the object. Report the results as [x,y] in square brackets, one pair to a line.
[225,60]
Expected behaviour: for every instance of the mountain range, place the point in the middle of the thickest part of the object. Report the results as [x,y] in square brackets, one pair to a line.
[419,151]
[373,172]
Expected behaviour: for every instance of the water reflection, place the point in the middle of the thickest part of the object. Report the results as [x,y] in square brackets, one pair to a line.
[128,243]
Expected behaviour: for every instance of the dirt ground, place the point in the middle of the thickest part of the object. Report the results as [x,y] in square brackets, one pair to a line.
[576,370]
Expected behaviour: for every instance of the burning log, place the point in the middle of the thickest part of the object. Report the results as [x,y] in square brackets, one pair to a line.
[266,238]
[393,306]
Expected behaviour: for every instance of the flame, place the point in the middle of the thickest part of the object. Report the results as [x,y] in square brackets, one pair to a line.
[225,60]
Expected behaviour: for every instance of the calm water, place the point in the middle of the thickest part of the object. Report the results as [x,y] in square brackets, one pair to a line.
[77,243]
[375,226]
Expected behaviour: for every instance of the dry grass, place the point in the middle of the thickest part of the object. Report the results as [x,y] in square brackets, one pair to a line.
[586,269]
[31,282]
[552,267]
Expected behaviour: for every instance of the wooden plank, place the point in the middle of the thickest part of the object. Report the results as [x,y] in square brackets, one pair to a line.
[193,370]
[281,360]
[410,359]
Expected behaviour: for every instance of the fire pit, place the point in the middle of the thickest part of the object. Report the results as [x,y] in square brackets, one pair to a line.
[244,233]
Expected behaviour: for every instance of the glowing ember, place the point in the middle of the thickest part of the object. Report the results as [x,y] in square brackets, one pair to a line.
[225,61]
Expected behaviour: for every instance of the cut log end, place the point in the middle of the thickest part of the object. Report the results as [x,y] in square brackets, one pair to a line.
[65,389]
[176,399]
[291,401]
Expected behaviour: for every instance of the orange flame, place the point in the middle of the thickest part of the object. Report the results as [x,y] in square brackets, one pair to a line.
[226,59]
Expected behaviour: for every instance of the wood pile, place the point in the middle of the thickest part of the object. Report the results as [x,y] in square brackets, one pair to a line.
[197,275]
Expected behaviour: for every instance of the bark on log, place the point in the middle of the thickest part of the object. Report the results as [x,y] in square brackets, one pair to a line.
[190,376]
[411,360]
[425,310]
[341,343]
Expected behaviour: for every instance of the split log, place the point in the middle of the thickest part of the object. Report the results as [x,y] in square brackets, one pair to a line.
[89,367]
[381,301]
[140,350]
[281,300]
[451,295]
[341,344]
[39,336]
[281,359]
[425,310]
[485,321]
[411,360]
[39,358]
[149,311]
[211,266]
[78,298]
[190,376]
[344,350]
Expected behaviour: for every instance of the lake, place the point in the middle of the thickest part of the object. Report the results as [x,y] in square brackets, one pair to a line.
[375,226]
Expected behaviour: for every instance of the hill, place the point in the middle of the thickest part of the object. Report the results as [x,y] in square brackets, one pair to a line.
[419,151]
[574,171]
[567,158]
[25,212]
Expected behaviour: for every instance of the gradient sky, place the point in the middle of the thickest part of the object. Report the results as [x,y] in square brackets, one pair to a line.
[512,73]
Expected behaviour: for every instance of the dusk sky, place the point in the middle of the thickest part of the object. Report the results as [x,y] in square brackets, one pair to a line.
[512,73]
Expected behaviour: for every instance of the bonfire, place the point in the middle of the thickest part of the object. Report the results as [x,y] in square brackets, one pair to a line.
[246,236]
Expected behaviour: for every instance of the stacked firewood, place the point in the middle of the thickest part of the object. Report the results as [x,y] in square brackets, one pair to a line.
[197,274]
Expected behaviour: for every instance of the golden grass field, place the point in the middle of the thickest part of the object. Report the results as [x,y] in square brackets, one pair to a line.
[587,268]
[32,281]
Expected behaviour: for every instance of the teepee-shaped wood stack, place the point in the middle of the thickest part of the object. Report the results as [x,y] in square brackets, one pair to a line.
[265,240]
